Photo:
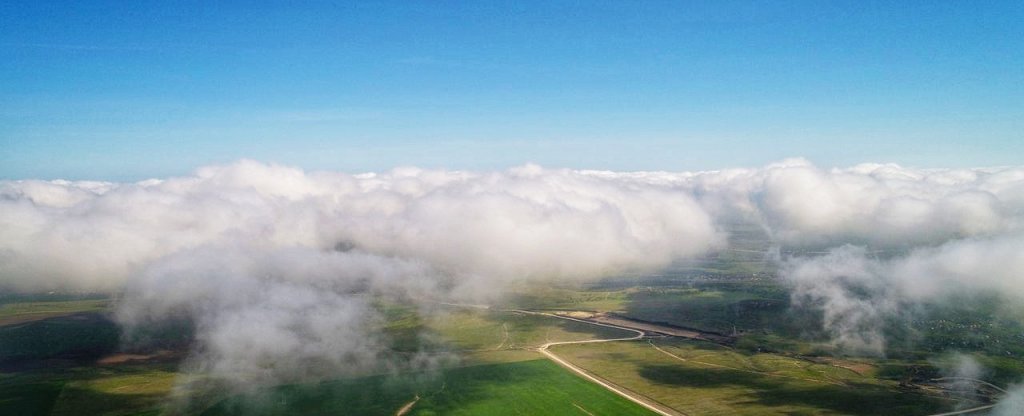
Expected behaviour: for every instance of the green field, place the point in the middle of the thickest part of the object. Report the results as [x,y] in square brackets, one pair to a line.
[26,311]
[537,387]
[62,379]
[468,330]
[49,347]
[42,327]
[580,298]
[87,390]
[707,379]
[80,335]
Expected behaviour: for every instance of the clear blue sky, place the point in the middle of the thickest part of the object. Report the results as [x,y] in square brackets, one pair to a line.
[130,90]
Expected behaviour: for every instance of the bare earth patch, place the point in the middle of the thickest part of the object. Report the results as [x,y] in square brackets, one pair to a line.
[408,406]
[122,358]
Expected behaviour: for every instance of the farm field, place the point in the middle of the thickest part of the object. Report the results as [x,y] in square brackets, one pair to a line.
[535,387]
[702,378]
[27,311]
[94,389]
[61,363]
[73,374]
[473,331]
[49,347]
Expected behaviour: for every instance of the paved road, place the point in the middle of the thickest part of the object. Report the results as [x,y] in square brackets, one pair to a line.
[973,409]
[544,349]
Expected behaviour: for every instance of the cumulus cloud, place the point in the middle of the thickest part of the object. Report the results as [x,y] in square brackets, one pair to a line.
[278,267]
[275,314]
[861,243]
[851,292]
[526,222]
[856,290]
[878,204]
[251,242]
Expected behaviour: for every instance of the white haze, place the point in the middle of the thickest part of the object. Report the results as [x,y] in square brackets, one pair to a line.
[277,265]
[1012,404]
[268,314]
[963,375]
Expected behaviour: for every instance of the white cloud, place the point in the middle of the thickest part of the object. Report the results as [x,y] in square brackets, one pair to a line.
[856,291]
[526,222]
[275,314]
[454,233]
[883,205]
[251,251]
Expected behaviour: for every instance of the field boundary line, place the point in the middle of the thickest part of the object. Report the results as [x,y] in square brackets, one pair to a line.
[745,370]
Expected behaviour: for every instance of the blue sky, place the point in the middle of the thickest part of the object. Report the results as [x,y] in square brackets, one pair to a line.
[129,90]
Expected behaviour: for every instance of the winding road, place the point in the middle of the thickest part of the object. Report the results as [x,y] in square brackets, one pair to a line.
[635,398]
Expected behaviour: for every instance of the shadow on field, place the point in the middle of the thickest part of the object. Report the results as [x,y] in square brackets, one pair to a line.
[859,399]
[380,394]
[66,391]
[79,336]
[537,387]
[19,396]
[49,366]
[79,401]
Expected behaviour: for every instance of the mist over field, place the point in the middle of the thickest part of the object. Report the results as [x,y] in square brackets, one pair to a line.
[278,267]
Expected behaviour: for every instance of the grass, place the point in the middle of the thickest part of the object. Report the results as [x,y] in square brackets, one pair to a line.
[29,395]
[493,331]
[714,304]
[712,380]
[75,386]
[500,374]
[12,313]
[536,387]
[80,335]
[48,344]
[122,390]
[94,390]
[33,328]
[567,298]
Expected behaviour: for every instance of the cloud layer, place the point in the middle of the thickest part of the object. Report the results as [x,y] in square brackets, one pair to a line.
[876,204]
[279,268]
[526,222]
[258,252]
